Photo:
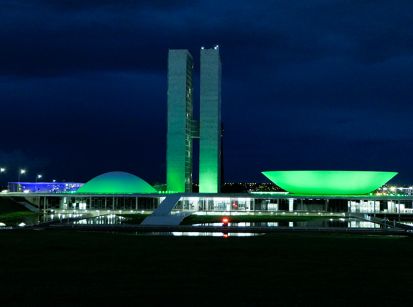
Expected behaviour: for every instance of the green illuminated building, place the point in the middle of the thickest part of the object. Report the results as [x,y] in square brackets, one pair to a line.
[329,182]
[210,121]
[179,126]
[116,183]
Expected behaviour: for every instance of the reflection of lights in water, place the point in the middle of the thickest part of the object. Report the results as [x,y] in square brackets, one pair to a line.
[215,234]
[110,219]
[325,223]
[362,224]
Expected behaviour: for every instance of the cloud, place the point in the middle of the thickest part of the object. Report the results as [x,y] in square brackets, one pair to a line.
[79,5]
[296,72]
[58,37]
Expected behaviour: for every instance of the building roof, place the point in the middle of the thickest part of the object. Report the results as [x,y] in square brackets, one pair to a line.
[116,183]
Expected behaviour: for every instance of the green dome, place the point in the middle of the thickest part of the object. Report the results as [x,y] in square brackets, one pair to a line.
[116,183]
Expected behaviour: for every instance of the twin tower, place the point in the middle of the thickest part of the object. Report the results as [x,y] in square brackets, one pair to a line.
[182,128]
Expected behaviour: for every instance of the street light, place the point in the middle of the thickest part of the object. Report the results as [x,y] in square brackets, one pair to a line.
[39,176]
[3,170]
[22,171]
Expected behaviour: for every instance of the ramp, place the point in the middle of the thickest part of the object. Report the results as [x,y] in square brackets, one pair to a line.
[28,206]
[163,216]
[386,223]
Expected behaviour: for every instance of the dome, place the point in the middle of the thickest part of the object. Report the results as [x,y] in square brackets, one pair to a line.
[116,183]
[329,182]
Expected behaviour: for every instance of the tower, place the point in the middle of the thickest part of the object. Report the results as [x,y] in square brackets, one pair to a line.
[179,117]
[210,121]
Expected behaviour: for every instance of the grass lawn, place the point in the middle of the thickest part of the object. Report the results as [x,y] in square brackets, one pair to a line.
[16,217]
[79,268]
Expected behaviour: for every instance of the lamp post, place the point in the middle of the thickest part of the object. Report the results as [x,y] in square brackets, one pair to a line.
[21,172]
[3,170]
[39,176]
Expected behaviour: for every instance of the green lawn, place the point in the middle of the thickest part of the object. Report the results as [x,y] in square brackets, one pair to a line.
[16,217]
[78,268]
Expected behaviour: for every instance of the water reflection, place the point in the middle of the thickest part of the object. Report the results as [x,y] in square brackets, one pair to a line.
[111,219]
[324,223]
[215,234]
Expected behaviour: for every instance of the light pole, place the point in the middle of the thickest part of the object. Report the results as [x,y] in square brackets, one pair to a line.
[3,170]
[21,172]
[39,176]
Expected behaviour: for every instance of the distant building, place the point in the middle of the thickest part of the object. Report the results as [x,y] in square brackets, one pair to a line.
[44,187]
[180,123]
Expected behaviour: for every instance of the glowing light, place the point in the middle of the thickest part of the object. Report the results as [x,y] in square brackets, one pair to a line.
[210,122]
[116,183]
[329,182]
[179,132]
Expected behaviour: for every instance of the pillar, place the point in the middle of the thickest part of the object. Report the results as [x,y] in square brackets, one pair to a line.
[291,204]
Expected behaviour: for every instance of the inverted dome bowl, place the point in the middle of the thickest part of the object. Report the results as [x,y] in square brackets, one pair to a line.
[329,182]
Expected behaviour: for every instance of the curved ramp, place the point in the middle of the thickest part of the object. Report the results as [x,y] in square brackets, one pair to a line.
[163,214]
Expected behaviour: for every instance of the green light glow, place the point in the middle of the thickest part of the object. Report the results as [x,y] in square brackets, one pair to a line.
[329,182]
[210,122]
[116,183]
[180,123]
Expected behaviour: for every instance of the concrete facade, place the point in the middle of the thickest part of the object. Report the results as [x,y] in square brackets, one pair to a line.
[210,121]
[179,117]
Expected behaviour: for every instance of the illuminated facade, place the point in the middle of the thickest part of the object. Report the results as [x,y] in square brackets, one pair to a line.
[182,128]
[329,182]
[210,122]
[44,187]
[124,192]
[180,123]
[116,183]
[266,203]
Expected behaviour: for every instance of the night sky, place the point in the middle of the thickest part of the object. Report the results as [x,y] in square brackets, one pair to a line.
[320,84]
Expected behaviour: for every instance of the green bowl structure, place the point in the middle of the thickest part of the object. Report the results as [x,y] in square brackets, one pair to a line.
[329,182]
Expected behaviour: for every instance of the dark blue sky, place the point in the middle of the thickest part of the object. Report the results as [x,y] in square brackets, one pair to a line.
[321,84]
